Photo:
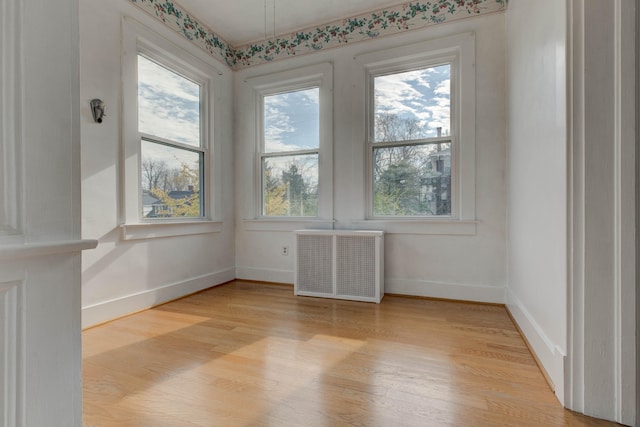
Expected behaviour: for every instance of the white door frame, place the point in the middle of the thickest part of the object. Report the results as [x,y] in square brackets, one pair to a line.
[600,375]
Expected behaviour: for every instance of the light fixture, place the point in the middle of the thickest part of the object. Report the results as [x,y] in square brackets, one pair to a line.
[97,110]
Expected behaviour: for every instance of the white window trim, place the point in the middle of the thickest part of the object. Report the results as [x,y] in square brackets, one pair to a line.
[139,39]
[321,76]
[460,51]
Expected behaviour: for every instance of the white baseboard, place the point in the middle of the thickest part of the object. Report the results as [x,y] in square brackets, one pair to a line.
[549,354]
[454,291]
[477,293]
[264,275]
[112,309]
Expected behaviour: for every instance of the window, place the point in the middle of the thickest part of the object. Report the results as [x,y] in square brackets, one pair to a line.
[289,159]
[171,179]
[420,137]
[171,149]
[412,141]
[294,144]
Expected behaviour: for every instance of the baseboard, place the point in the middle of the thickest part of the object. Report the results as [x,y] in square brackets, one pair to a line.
[418,288]
[548,355]
[264,275]
[102,312]
[450,291]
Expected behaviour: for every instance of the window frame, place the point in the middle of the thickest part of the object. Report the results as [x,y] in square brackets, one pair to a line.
[460,52]
[316,76]
[138,39]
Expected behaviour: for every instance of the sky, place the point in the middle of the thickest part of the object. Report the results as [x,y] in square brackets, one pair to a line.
[422,94]
[292,121]
[168,107]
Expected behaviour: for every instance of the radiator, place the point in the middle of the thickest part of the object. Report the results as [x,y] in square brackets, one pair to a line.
[340,264]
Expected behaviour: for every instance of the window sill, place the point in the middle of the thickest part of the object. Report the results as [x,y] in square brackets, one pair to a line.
[451,227]
[155,230]
[286,224]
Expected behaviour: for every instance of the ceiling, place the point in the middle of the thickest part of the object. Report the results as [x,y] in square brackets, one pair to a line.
[243,21]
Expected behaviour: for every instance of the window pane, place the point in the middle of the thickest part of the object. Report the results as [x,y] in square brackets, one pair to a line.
[412,180]
[290,185]
[168,104]
[292,121]
[413,105]
[171,181]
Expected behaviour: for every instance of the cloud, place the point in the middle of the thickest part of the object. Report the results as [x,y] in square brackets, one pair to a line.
[312,96]
[291,121]
[277,125]
[422,94]
[168,104]
[444,88]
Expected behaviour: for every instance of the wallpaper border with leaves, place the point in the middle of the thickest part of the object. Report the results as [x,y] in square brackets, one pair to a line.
[393,20]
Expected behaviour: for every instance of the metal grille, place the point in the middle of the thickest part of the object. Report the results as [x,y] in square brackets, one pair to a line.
[315,273]
[356,266]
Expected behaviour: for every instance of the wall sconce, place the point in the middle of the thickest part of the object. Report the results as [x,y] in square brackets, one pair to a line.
[97,109]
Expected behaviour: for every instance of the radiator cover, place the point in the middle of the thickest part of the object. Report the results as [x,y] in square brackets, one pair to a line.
[340,264]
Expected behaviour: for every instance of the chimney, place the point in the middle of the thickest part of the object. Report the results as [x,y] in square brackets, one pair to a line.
[439,130]
[190,188]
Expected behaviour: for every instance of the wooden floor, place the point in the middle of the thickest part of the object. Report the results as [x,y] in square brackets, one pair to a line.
[247,354]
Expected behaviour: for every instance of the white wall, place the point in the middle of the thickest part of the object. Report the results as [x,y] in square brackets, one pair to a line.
[470,267]
[124,276]
[537,135]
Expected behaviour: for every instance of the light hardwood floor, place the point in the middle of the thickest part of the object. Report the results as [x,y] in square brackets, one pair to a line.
[248,354]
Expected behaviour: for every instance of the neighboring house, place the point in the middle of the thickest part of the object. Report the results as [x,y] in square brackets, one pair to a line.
[437,185]
[152,207]
[149,205]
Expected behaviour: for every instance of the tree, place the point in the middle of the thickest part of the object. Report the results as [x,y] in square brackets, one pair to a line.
[187,206]
[397,190]
[274,195]
[390,127]
[301,193]
[409,179]
[291,193]
[154,173]
[177,189]
[296,189]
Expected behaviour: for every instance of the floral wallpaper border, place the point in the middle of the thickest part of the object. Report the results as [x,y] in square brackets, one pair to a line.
[393,20]
[176,18]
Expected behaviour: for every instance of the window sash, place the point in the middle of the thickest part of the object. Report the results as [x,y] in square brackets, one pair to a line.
[172,70]
[421,194]
[202,155]
[171,143]
[264,158]
[411,142]
[289,90]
